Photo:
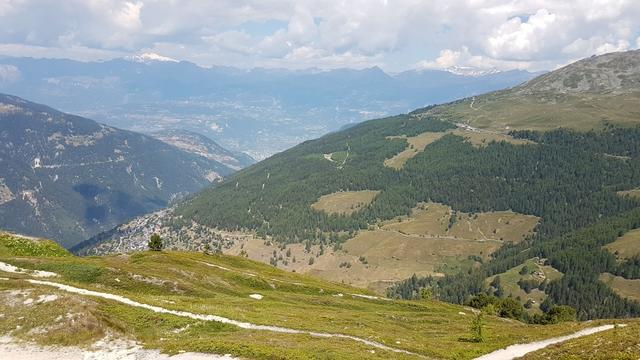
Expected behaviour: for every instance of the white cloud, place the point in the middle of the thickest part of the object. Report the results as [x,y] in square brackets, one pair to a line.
[451,59]
[516,39]
[5,7]
[621,45]
[9,73]
[128,16]
[531,34]
[448,58]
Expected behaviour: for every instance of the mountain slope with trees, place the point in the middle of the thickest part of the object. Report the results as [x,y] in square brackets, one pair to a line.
[67,178]
[569,178]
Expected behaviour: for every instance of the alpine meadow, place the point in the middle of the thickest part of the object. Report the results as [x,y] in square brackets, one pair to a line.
[302,180]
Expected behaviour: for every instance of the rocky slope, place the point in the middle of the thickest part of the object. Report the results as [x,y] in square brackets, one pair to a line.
[201,145]
[585,95]
[67,178]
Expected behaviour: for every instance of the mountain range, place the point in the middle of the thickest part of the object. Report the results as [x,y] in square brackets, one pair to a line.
[66,177]
[256,111]
[534,184]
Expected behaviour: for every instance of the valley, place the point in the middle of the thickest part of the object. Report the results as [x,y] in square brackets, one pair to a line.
[319,180]
[420,204]
[69,178]
[257,111]
[283,214]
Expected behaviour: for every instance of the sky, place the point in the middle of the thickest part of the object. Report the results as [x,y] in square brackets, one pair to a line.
[395,35]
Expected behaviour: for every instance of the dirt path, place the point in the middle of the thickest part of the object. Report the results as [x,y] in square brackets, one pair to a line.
[220,319]
[518,350]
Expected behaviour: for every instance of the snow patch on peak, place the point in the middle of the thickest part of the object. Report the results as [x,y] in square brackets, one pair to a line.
[150,57]
[471,71]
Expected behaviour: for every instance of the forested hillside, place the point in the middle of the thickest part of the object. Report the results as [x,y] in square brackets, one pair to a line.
[570,179]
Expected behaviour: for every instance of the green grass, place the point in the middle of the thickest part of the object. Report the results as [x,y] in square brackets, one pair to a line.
[617,344]
[626,288]
[339,156]
[182,281]
[626,246]
[509,110]
[11,245]
[509,281]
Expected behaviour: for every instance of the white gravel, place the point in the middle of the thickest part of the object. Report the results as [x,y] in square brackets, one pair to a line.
[518,350]
[369,297]
[16,270]
[103,350]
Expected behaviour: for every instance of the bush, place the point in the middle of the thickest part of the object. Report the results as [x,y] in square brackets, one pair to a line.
[510,308]
[155,243]
[476,328]
[482,300]
[561,313]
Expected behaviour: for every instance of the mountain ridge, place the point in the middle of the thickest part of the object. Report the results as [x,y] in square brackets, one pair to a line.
[256,111]
[68,177]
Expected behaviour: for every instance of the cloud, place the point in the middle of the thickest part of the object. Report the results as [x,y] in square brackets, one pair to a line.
[516,39]
[462,58]
[9,73]
[397,34]
[128,16]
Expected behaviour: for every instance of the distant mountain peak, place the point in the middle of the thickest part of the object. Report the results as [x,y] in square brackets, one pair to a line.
[471,71]
[617,72]
[150,57]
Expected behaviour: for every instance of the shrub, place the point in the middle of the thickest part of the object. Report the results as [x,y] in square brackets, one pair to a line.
[155,243]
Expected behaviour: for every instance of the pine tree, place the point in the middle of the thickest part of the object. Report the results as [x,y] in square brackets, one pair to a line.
[155,243]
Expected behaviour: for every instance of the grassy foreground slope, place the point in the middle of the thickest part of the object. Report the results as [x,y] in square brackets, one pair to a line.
[619,344]
[222,285]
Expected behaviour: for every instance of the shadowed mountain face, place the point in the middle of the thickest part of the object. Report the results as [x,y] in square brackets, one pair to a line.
[259,111]
[67,177]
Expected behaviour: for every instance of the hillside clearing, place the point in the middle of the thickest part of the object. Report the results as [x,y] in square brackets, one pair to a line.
[626,246]
[536,272]
[634,193]
[482,138]
[415,145]
[438,220]
[626,288]
[394,250]
[345,202]
[418,144]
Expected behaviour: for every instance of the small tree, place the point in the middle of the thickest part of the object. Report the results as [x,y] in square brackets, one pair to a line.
[477,333]
[155,243]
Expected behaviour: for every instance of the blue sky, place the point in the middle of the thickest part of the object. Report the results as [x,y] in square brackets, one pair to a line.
[395,35]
